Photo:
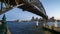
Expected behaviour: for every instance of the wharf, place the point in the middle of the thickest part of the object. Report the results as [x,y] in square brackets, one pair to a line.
[52,29]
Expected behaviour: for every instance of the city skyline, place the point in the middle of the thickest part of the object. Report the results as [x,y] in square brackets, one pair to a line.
[52,8]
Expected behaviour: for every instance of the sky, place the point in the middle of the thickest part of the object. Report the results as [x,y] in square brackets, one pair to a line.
[52,8]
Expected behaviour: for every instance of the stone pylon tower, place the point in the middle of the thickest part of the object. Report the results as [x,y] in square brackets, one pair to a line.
[56,24]
[4,25]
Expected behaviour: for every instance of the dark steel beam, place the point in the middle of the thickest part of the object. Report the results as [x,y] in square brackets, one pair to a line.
[29,6]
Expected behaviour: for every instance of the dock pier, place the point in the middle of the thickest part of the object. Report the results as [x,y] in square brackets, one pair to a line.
[53,28]
[56,30]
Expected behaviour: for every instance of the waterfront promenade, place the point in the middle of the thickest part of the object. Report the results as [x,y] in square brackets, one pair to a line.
[56,30]
[53,27]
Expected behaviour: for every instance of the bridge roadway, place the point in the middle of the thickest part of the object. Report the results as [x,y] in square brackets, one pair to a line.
[34,6]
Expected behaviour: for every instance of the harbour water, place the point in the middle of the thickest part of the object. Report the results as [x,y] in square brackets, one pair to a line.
[27,28]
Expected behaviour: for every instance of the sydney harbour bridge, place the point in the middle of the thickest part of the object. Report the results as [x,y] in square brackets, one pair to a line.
[34,6]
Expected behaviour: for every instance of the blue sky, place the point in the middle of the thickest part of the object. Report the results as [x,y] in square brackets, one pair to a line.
[17,13]
[52,8]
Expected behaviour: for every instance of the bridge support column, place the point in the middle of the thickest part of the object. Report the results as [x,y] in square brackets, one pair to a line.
[36,23]
[44,22]
[56,24]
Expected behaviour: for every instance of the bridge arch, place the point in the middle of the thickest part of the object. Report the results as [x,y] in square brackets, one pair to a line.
[34,6]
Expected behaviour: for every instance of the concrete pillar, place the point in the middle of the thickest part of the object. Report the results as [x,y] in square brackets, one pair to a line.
[43,24]
[56,24]
[36,23]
